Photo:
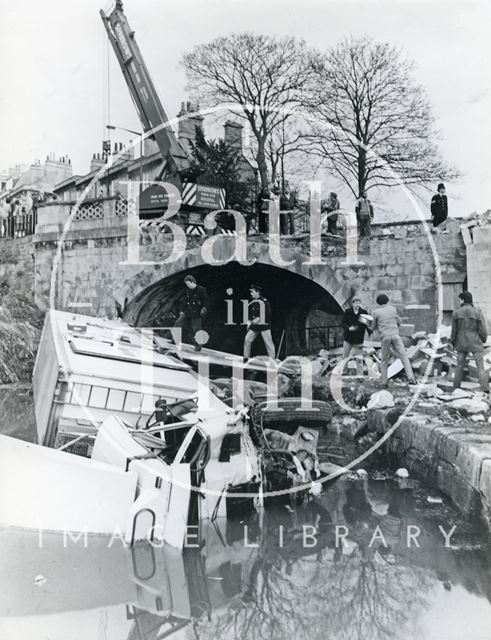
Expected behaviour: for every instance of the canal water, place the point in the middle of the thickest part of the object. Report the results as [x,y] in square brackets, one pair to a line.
[367,559]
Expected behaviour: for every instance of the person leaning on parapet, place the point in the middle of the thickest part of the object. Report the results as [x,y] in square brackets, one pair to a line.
[193,308]
[469,333]
[364,215]
[354,333]
[329,206]
[265,197]
[259,316]
[287,220]
[387,321]
[439,206]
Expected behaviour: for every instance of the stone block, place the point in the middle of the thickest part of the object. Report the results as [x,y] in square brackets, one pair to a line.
[485,483]
[470,459]
[462,494]
[421,463]
[422,436]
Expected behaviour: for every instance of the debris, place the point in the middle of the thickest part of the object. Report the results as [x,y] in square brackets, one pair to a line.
[402,473]
[430,390]
[394,368]
[381,400]
[330,468]
[478,417]
[469,405]
[316,488]
[361,473]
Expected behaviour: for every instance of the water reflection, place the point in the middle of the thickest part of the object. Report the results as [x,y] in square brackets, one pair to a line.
[17,413]
[291,577]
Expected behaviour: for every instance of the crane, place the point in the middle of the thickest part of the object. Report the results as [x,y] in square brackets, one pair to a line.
[153,117]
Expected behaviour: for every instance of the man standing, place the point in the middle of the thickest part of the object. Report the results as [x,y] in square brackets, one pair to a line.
[387,321]
[330,206]
[354,333]
[364,215]
[193,308]
[469,333]
[264,199]
[439,206]
[259,316]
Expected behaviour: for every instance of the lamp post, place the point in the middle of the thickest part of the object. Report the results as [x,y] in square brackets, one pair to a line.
[140,135]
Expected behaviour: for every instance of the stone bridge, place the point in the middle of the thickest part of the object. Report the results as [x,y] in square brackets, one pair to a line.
[89,268]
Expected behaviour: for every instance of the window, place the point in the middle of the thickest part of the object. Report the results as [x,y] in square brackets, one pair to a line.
[115,400]
[80,394]
[98,397]
[148,404]
[132,402]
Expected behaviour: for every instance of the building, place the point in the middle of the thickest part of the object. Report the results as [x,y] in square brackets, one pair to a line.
[35,180]
[143,162]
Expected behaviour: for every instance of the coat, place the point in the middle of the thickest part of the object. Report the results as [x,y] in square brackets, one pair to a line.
[439,207]
[469,330]
[351,319]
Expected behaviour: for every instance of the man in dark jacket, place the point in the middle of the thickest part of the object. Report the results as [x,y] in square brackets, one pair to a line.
[193,308]
[264,198]
[439,206]
[364,215]
[329,206]
[354,333]
[259,316]
[469,333]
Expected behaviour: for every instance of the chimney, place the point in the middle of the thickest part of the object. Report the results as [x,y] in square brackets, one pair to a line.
[189,121]
[97,162]
[233,135]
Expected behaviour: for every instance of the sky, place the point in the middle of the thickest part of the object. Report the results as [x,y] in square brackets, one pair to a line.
[53,69]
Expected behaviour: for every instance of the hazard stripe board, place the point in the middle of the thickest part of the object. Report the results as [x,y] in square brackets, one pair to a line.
[200,195]
[195,230]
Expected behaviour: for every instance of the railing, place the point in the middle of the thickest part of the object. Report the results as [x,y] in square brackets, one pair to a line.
[18,226]
[326,337]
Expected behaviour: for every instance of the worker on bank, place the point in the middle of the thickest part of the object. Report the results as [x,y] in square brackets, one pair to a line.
[329,207]
[364,215]
[264,198]
[285,212]
[469,333]
[193,309]
[439,206]
[354,327]
[259,322]
[386,320]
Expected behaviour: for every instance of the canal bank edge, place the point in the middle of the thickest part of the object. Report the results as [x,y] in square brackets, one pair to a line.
[455,459]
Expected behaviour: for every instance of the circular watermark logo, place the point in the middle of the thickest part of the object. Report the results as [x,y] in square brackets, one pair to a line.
[241,241]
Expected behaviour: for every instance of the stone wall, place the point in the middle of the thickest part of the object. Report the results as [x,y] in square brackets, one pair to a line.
[479,268]
[17,265]
[94,269]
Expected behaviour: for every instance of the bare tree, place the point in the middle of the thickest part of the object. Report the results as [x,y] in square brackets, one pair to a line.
[371,120]
[263,75]
[286,150]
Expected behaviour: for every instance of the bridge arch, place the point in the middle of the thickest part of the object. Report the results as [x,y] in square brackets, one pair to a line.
[302,296]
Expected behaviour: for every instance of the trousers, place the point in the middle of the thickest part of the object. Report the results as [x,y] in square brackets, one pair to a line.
[481,373]
[189,326]
[358,353]
[395,344]
[267,339]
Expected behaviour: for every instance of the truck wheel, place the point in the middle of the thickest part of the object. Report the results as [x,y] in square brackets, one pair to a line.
[289,415]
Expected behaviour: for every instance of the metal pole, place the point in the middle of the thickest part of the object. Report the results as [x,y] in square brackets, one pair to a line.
[141,162]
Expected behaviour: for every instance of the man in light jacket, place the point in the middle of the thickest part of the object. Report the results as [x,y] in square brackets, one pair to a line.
[469,333]
[387,321]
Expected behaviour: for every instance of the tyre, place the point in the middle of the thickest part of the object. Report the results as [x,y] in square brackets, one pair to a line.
[289,415]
